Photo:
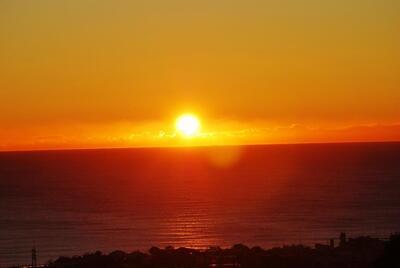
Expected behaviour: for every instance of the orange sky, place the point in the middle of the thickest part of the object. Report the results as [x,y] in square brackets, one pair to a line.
[83,74]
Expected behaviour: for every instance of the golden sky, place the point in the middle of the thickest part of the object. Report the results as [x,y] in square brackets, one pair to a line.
[92,73]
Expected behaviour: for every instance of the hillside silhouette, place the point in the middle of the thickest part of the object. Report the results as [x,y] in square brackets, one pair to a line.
[357,252]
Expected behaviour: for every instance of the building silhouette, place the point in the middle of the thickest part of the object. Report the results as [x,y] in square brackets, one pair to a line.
[34,258]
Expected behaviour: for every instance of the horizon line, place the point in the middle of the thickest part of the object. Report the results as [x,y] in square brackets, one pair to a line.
[196,146]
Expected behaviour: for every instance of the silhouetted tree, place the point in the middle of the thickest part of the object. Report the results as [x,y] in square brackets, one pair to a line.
[391,255]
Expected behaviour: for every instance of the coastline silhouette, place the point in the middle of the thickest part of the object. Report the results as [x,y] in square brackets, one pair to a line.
[364,251]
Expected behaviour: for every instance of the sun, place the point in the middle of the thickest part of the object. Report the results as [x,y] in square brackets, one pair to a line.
[188,125]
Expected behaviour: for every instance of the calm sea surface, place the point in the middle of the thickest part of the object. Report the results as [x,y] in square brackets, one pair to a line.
[72,202]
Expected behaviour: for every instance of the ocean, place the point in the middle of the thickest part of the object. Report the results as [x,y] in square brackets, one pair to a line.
[76,201]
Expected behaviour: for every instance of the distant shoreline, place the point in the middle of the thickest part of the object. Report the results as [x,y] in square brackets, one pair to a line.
[201,146]
[364,251]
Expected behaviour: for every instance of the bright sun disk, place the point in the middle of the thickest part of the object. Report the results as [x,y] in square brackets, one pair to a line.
[188,125]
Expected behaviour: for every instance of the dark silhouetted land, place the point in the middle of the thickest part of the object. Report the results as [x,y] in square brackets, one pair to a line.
[354,252]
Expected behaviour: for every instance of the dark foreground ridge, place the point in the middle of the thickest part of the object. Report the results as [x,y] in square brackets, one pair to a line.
[354,252]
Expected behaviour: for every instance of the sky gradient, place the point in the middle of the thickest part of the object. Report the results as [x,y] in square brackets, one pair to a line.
[84,74]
